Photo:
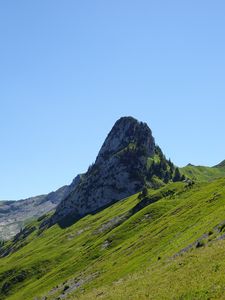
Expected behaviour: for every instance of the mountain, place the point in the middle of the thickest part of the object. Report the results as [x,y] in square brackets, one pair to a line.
[127,161]
[15,214]
[132,227]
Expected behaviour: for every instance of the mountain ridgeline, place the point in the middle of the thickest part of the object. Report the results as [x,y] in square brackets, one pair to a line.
[128,161]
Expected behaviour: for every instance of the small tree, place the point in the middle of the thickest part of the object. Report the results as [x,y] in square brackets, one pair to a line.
[171,165]
[177,175]
[167,177]
[183,177]
[144,193]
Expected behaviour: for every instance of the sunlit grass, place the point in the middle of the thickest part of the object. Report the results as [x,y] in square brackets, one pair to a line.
[133,259]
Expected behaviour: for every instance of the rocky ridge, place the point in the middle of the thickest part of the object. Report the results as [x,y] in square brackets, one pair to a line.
[120,170]
[128,161]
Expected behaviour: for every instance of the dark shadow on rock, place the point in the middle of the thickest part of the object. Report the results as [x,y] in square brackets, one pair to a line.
[69,220]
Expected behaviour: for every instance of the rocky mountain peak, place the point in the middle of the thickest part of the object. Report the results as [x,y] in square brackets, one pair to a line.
[122,168]
[127,131]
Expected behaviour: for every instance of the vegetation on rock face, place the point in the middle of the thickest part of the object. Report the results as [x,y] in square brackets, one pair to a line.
[161,169]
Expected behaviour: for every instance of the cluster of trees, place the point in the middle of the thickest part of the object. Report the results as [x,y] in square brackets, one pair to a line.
[164,169]
[178,176]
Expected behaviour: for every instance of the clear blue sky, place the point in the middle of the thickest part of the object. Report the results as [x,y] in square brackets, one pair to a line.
[69,69]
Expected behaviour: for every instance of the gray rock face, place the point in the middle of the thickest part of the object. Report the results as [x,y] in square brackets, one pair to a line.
[126,131]
[14,214]
[119,171]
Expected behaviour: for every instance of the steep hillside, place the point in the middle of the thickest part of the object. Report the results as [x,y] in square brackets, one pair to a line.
[164,244]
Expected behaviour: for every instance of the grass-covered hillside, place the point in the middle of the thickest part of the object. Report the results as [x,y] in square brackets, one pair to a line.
[166,245]
[202,173]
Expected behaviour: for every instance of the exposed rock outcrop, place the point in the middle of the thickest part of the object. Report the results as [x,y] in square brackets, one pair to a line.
[120,170]
[128,160]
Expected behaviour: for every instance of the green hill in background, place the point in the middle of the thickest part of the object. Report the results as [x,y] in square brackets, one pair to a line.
[201,173]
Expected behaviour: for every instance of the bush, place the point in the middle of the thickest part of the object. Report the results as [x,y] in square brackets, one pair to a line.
[144,193]
[66,287]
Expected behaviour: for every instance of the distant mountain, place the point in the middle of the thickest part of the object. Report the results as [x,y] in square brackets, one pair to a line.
[128,161]
[220,165]
[15,214]
[203,173]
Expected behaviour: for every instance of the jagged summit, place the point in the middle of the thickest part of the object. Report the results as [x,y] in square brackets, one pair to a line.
[127,131]
[127,161]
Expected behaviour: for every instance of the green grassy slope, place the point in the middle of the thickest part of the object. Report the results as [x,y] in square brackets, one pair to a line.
[198,274]
[201,173]
[127,253]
